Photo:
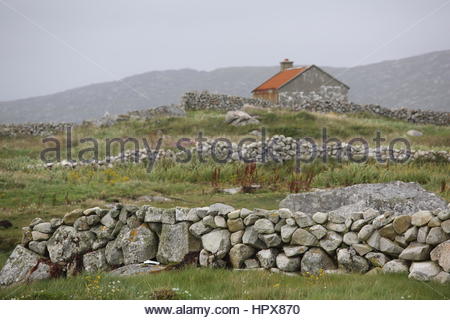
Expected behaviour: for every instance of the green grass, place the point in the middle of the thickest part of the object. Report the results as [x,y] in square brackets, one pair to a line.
[203,283]
[211,124]
[27,193]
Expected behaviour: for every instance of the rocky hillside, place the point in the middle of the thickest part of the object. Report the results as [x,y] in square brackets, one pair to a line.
[416,82]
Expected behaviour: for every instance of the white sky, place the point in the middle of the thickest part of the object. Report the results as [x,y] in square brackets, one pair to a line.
[111,39]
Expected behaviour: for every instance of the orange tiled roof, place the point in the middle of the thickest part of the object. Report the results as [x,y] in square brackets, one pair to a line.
[280,79]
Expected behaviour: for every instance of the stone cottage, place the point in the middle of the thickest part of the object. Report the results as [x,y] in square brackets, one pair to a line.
[293,86]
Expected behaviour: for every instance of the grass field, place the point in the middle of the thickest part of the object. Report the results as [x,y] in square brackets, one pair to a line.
[194,283]
[27,193]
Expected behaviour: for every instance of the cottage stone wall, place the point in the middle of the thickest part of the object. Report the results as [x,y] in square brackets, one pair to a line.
[313,84]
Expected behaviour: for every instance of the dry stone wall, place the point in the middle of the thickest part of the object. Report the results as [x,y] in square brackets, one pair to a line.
[32,129]
[48,129]
[293,242]
[277,148]
[205,101]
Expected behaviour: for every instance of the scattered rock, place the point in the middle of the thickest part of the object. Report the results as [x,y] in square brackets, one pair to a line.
[414,133]
[239,118]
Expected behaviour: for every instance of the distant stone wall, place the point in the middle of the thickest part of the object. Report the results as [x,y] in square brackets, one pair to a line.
[32,129]
[123,236]
[414,116]
[279,149]
[205,101]
[48,129]
[208,101]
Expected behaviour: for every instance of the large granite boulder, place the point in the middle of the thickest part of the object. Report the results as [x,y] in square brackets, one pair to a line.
[399,197]
[24,265]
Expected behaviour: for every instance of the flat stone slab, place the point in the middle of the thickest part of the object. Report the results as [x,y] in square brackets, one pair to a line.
[399,197]
[138,268]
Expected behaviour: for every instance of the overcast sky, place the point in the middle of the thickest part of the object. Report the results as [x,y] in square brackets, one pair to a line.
[53,45]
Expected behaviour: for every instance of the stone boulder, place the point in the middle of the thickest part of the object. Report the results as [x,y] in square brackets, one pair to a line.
[138,268]
[315,260]
[267,258]
[441,255]
[416,252]
[239,118]
[138,244]
[424,271]
[95,261]
[239,253]
[396,266]
[24,265]
[175,243]
[67,243]
[399,197]
[351,262]
[287,264]
[217,242]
